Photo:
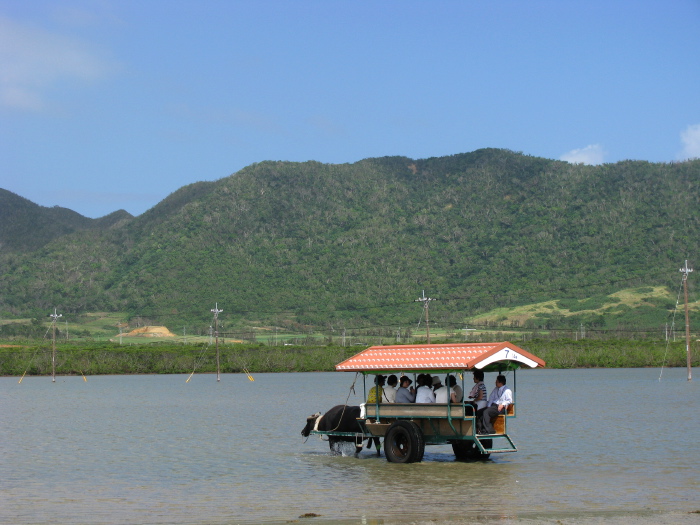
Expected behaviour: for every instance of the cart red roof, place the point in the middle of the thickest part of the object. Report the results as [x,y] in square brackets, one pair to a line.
[457,356]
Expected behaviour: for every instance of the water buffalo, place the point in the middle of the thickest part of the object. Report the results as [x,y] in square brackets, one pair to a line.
[340,418]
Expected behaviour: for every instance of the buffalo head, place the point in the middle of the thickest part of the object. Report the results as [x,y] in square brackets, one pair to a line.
[310,424]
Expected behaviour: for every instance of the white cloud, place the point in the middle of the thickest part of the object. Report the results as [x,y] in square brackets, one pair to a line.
[33,60]
[19,98]
[690,137]
[591,154]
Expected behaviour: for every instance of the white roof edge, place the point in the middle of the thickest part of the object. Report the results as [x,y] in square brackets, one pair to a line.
[506,354]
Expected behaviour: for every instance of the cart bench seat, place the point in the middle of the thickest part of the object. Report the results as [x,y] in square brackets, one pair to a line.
[403,410]
[417,410]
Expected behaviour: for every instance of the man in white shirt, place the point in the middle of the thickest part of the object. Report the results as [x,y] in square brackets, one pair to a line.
[449,389]
[424,393]
[389,394]
[498,402]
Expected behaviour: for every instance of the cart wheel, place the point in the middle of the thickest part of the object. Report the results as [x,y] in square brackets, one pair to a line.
[404,442]
[468,451]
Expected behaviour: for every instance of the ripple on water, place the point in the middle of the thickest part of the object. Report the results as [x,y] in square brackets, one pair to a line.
[154,449]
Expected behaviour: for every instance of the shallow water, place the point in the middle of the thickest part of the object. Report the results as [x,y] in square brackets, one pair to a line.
[592,445]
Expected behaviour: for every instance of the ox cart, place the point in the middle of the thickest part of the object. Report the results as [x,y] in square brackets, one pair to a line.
[407,428]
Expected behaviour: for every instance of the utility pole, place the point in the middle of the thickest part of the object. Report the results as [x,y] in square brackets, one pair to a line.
[216,335]
[685,271]
[54,316]
[426,305]
[467,330]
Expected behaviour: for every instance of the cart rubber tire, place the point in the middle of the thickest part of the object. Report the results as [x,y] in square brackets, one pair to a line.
[404,443]
[466,450]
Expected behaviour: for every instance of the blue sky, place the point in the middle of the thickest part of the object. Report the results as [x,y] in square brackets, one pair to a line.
[115,104]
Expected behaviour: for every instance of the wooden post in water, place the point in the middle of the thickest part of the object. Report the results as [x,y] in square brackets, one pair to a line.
[685,270]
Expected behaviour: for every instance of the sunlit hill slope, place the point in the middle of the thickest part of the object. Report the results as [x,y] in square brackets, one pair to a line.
[355,245]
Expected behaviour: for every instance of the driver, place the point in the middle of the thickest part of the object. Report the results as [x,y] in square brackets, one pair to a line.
[500,398]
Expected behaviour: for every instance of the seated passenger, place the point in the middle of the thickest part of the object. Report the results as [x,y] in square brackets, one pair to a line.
[389,395]
[477,395]
[500,398]
[375,393]
[459,393]
[425,394]
[442,392]
[405,393]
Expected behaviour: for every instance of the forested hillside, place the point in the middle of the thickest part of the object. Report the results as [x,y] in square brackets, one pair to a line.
[355,244]
[25,226]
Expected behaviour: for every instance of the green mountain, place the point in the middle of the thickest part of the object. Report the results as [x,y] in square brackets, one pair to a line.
[26,226]
[355,244]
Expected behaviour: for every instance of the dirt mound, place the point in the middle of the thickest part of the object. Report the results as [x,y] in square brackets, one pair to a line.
[151,331]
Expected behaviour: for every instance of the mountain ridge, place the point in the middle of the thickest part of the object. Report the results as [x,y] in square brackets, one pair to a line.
[28,226]
[351,244]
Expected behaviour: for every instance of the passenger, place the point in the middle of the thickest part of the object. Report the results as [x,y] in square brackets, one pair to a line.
[389,395]
[406,393]
[375,393]
[459,393]
[442,392]
[477,395]
[436,384]
[425,394]
[498,402]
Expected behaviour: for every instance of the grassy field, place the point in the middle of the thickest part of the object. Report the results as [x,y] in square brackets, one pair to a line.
[93,344]
[656,298]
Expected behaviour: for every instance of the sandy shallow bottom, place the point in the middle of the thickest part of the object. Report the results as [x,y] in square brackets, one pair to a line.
[608,518]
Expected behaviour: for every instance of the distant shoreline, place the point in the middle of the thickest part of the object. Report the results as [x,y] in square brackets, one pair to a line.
[89,358]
